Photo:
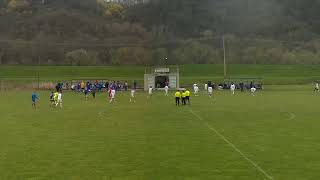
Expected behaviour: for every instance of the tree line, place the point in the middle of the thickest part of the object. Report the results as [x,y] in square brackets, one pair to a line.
[93,32]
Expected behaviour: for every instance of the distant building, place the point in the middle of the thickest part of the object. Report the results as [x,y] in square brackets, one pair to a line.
[159,77]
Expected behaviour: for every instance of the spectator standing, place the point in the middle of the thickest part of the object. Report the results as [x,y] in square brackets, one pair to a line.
[134,84]
[126,86]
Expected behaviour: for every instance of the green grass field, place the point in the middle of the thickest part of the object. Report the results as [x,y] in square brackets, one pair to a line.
[271,74]
[273,135]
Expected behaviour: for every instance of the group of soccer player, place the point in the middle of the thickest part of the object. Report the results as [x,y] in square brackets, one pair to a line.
[209,89]
[184,96]
[56,99]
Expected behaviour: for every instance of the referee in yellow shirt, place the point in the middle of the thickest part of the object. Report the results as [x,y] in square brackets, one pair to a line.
[183,98]
[188,96]
[177,97]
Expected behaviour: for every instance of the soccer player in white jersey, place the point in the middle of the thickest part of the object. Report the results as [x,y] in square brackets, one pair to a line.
[132,96]
[233,88]
[316,88]
[166,90]
[196,90]
[112,95]
[150,92]
[253,90]
[210,91]
[59,99]
[206,87]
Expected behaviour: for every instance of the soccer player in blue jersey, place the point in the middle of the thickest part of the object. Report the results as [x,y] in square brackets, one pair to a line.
[34,98]
[86,93]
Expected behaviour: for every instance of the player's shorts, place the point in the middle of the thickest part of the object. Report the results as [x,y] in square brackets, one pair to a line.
[113,95]
[59,100]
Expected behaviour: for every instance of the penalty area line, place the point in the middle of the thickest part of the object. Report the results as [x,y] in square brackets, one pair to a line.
[232,145]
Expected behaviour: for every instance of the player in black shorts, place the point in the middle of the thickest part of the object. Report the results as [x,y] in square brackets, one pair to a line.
[51,99]
[177,98]
[187,97]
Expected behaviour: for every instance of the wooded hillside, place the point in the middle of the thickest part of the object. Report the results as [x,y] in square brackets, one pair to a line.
[90,32]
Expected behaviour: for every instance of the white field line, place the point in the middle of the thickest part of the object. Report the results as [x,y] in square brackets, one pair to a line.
[232,145]
[289,115]
[100,114]
[292,116]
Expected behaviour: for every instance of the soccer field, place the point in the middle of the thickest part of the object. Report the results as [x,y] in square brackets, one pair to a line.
[273,135]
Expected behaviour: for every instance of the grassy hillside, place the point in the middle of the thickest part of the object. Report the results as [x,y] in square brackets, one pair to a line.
[272,74]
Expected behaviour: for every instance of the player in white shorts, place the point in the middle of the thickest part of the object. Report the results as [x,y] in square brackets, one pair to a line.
[233,88]
[132,97]
[253,90]
[194,85]
[195,90]
[210,91]
[150,92]
[166,90]
[113,95]
[316,88]
[59,102]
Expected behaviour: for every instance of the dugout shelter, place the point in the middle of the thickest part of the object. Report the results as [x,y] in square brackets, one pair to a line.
[159,77]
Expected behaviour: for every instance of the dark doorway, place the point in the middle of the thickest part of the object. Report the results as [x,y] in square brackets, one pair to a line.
[161,81]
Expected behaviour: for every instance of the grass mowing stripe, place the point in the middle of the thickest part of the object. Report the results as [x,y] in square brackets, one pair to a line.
[232,145]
